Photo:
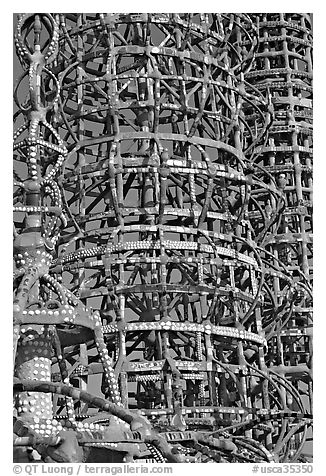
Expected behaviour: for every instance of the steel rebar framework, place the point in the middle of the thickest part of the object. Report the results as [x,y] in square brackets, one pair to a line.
[163,221]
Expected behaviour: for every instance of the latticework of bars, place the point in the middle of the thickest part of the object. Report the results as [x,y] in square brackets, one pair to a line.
[163,229]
